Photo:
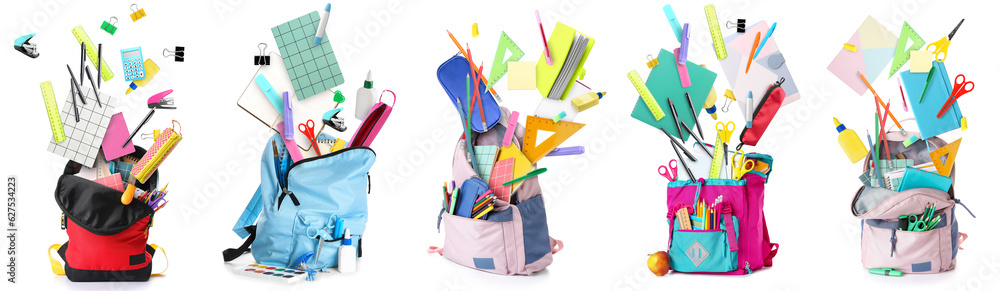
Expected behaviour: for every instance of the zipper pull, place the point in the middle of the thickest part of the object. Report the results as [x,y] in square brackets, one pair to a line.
[747,268]
[63,221]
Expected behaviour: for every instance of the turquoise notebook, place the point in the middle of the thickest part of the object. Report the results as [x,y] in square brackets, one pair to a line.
[937,94]
[916,178]
[664,82]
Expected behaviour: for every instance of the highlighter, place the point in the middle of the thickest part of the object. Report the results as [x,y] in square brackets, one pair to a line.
[850,142]
[289,133]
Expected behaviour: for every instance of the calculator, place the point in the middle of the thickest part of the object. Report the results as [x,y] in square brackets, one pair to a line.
[132,64]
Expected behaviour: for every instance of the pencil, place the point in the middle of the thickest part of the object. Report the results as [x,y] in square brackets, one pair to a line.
[459,46]
[756,42]
[880,102]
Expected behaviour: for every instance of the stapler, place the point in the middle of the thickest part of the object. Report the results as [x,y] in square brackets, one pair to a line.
[161,101]
[22,45]
[331,119]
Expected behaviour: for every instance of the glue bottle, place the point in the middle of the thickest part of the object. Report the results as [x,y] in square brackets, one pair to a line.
[710,101]
[348,255]
[366,98]
[585,101]
[850,142]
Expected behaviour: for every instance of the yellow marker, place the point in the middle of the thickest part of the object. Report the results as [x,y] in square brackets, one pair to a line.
[850,142]
[851,47]
[710,102]
[475,29]
[585,101]
[964,125]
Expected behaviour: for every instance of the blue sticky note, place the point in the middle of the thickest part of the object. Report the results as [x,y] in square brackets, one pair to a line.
[937,94]
[663,83]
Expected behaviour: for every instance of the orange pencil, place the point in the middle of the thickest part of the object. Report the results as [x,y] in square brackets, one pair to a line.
[459,46]
[756,42]
[879,99]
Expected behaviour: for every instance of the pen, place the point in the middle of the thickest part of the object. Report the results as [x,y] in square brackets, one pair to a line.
[930,74]
[766,37]
[548,55]
[673,112]
[144,120]
[750,109]
[75,85]
[99,65]
[322,25]
[901,95]
[97,96]
[756,42]
[694,113]
[686,152]
[683,163]
[700,142]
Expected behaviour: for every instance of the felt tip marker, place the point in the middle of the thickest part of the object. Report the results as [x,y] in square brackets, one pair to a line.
[749,109]
[322,25]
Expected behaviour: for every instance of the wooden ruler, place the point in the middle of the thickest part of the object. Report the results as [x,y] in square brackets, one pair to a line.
[645,95]
[81,36]
[53,111]
[713,25]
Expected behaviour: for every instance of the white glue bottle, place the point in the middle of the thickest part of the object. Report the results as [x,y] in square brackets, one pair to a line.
[366,98]
[348,255]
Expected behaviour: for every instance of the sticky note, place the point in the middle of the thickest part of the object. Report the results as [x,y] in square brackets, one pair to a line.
[920,61]
[115,135]
[521,76]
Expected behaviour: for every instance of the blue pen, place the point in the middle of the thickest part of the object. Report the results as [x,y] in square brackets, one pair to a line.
[769,32]
[322,25]
[289,132]
[685,41]
[750,109]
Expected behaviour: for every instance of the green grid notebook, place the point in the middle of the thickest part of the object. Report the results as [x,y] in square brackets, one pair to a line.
[312,68]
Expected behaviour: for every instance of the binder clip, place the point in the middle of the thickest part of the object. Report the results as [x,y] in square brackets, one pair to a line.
[22,45]
[730,99]
[110,27]
[740,25]
[137,13]
[153,136]
[177,53]
[262,59]
[652,61]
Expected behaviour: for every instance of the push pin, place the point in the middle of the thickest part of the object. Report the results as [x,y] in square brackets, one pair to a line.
[262,59]
[137,13]
[22,45]
[177,53]
[740,25]
[110,27]
[652,62]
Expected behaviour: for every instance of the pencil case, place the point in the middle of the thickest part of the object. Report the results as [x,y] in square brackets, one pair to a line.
[739,242]
[452,76]
[514,238]
[886,242]
[764,113]
[162,148]
[373,122]
[107,241]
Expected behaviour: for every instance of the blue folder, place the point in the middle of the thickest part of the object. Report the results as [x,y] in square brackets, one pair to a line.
[937,94]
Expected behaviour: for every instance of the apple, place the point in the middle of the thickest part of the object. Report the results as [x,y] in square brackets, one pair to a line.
[658,263]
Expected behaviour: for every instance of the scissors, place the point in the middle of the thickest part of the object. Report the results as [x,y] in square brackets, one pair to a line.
[941,46]
[322,234]
[309,129]
[915,223]
[669,171]
[742,166]
[959,89]
[725,130]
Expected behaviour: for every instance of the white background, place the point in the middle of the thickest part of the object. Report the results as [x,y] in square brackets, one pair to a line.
[607,205]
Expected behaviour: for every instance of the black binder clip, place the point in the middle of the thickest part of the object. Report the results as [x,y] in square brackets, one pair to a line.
[177,53]
[740,25]
[262,59]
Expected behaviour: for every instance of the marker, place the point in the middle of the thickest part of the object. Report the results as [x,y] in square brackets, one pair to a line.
[322,25]
[769,32]
[930,74]
[749,109]
[548,55]
[289,133]
[756,42]
[685,42]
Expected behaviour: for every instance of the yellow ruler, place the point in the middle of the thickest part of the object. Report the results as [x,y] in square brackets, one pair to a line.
[645,95]
[713,25]
[81,36]
[718,157]
[53,111]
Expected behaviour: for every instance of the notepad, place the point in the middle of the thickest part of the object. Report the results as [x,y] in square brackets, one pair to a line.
[116,134]
[875,47]
[663,83]
[768,67]
[312,68]
[937,94]
[485,156]
[916,178]
[521,163]
[576,51]
[520,75]
[503,171]
[560,42]
[83,139]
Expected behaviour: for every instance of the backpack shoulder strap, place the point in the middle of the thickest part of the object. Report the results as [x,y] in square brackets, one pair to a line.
[165,260]
[249,216]
[56,266]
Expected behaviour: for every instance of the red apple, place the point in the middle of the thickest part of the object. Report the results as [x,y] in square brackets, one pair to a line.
[658,263]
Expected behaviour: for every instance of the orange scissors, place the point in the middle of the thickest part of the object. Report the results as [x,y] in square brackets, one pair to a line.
[959,89]
[309,129]
[669,171]
[941,46]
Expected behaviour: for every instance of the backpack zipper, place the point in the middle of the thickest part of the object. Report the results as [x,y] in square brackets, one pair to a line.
[763,100]
[284,188]
[63,221]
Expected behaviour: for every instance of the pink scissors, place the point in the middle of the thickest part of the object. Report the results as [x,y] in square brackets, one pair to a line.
[960,88]
[309,129]
[669,171]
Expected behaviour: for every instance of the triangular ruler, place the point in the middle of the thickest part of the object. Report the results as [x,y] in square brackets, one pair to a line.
[951,150]
[561,131]
[904,55]
[499,67]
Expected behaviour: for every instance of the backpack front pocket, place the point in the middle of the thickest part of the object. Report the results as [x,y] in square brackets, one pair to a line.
[907,251]
[703,250]
[481,244]
[316,232]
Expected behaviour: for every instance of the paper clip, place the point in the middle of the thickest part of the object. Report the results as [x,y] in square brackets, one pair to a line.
[262,59]
[730,98]
[137,13]
[110,27]
[740,25]
[177,53]
[652,62]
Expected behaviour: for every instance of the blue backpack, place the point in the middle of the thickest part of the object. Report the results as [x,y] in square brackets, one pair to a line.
[306,210]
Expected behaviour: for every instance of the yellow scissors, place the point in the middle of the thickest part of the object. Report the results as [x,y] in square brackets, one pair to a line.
[941,46]
[742,166]
[725,130]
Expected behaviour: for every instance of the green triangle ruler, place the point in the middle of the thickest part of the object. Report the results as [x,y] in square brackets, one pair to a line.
[499,67]
[904,55]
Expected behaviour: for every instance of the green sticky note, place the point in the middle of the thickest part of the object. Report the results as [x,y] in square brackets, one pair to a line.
[663,83]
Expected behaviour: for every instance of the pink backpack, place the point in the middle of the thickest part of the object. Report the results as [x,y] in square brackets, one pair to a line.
[741,244]
[514,239]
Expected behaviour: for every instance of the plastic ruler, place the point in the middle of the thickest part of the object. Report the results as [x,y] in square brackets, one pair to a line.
[904,55]
[81,36]
[713,25]
[561,131]
[53,111]
[499,64]
[718,157]
[645,95]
